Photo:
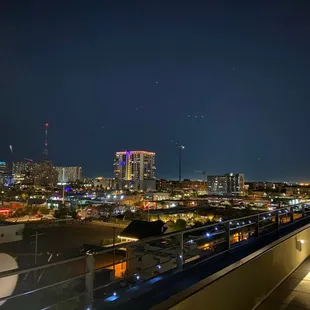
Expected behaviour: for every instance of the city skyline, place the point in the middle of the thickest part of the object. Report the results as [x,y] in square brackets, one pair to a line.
[228,82]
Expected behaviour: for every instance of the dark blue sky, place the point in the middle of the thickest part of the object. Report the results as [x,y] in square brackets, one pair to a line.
[139,68]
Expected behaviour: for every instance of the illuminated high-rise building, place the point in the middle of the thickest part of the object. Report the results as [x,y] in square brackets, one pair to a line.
[45,174]
[135,169]
[3,168]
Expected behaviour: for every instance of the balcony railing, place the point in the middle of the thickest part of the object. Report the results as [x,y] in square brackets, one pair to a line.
[126,269]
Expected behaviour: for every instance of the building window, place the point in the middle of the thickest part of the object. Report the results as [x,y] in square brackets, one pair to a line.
[16,233]
[2,235]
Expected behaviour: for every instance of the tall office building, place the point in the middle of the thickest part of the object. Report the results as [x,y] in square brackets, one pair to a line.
[217,184]
[69,174]
[23,167]
[3,169]
[45,174]
[235,184]
[230,184]
[135,169]
[24,172]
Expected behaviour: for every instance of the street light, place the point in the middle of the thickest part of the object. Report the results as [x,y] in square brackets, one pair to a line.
[181,148]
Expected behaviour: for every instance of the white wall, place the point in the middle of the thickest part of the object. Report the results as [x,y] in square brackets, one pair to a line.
[11,233]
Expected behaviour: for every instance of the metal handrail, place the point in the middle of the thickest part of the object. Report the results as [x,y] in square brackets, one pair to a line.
[43,287]
[49,265]
[89,274]
[135,257]
[135,243]
[63,301]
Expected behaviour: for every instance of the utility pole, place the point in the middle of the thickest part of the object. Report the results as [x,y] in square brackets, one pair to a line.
[36,235]
[36,253]
[181,148]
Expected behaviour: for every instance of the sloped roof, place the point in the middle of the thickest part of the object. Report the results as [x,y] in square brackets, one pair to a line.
[141,229]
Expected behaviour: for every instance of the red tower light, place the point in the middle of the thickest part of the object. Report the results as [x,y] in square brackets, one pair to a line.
[46,124]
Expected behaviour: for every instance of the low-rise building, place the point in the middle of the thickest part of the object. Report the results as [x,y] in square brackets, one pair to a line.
[194,185]
[297,190]
[104,183]
[157,196]
[186,184]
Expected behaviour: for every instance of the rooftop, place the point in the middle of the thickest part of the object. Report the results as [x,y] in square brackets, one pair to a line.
[4,223]
[293,293]
[135,152]
[141,229]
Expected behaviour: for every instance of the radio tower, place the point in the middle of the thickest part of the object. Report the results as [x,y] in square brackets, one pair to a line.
[45,152]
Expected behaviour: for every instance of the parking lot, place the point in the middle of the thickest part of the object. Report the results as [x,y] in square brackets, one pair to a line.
[64,241]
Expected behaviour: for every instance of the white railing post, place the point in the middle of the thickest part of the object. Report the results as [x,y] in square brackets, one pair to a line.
[89,280]
[179,251]
[278,220]
[228,234]
[303,210]
[257,224]
[292,214]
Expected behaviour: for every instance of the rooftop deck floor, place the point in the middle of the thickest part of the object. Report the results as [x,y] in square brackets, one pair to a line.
[293,293]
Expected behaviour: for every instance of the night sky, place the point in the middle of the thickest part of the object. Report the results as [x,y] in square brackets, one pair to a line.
[116,75]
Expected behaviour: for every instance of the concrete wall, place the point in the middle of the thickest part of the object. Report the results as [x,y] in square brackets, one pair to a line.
[246,283]
[11,233]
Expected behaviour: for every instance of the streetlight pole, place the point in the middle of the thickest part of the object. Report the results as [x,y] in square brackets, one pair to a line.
[181,148]
[63,187]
